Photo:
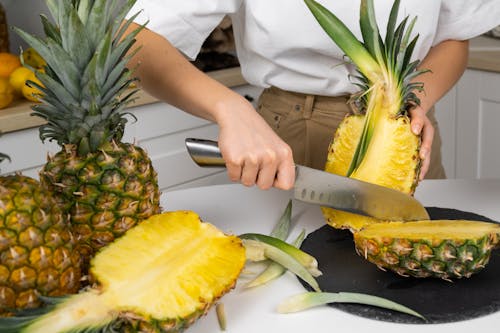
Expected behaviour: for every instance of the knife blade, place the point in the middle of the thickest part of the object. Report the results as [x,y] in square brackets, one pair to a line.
[330,190]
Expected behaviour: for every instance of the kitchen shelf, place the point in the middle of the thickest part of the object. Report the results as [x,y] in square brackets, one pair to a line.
[18,115]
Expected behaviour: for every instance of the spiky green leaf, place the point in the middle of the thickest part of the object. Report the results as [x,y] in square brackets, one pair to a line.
[311,299]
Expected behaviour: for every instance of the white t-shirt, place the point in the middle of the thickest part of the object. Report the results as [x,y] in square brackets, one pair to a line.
[279,42]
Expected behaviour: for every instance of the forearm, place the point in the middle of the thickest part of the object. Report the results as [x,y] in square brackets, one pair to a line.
[446,63]
[166,74]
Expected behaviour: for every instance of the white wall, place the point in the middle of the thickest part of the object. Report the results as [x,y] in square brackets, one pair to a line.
[24,14]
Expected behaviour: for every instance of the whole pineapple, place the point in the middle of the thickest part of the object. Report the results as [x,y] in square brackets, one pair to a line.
[106,185]
[161,276]
[375,143]
[37,249]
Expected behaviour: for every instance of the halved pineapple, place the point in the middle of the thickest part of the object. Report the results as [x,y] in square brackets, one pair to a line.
[375,144]
[440,248]
[159,277]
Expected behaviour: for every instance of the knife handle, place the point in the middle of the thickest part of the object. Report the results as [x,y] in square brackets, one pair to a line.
[205,153]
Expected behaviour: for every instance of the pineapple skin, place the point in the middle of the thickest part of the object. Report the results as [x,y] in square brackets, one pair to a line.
[105,193]
[161,276]
[37,248]
[445,257]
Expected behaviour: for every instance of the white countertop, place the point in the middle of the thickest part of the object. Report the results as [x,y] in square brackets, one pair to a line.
[237,209]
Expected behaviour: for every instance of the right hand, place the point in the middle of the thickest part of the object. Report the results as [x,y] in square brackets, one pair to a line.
[253,152]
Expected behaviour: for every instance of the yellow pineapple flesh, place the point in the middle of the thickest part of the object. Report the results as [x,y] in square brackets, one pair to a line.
[397,167]
[377,145]
[161,276]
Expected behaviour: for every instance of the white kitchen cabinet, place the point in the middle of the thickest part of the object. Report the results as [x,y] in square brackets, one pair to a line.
[478,125]
[160,129]
[469,118]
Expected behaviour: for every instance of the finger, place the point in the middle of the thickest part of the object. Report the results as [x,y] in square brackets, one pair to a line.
[266,177]
[427,138]
[233,172]
[249,171]
[424,168]
[285,177]
[425,149]
[418,118]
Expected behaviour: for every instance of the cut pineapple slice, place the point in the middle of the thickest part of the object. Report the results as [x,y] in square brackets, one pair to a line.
[159,277]
[441,248]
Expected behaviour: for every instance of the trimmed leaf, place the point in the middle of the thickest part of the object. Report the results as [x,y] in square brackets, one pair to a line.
[302,257]
[282,228]
[286,260]
[274,270]
[221,316]
[311,299]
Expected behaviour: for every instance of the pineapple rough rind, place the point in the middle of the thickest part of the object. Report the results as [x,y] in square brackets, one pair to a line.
[105,185]
[37,247]
[161,276]
[446,249]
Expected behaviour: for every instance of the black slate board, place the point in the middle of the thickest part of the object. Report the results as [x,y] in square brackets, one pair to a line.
[437,300]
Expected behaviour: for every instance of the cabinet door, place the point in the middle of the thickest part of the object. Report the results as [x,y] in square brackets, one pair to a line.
[446,117]
[478,125]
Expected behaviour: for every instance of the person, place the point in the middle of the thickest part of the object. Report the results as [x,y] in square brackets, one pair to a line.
[282,48]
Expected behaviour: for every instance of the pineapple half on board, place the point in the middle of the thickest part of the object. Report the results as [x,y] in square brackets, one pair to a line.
[107,186]
[375,142]
[37,248]
[444,249]
[160,276]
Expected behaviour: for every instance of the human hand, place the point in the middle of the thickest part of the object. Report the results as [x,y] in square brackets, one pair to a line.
[254,154]
[420,124]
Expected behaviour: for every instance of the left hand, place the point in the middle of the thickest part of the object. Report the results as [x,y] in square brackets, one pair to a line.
[420,124]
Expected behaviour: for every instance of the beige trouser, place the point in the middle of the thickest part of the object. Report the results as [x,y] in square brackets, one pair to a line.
[308,122]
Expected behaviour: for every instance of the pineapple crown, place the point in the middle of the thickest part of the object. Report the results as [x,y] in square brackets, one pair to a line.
[376,59]
[85,84]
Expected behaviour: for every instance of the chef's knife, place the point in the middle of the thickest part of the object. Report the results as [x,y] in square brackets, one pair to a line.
[331,190]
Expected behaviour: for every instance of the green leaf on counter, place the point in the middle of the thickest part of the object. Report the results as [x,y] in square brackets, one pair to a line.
[274,270]
[311,299]
[221,316]
[257,249]
[290,263]
[282,228]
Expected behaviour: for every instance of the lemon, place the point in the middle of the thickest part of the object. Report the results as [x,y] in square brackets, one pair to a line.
[31,93]
[18,77]
[32,58]
[8,63]
[6,93]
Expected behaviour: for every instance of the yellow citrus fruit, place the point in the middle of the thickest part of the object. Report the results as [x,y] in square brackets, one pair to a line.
[6,93]
[31,92]
[18,77]
[8,63]
[32,58]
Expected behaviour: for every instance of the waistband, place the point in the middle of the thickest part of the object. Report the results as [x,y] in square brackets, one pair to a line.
[296,96]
